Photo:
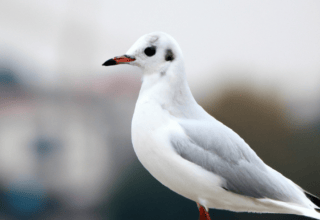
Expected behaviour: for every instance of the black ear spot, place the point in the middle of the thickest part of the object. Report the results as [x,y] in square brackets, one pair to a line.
[169,55]
[150,51]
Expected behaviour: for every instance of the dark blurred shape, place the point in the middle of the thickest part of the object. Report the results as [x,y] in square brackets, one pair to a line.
[45,145]
[25,199]
[10,86]
[7,77]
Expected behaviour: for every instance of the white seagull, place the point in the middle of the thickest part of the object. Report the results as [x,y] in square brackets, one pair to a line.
[191,152]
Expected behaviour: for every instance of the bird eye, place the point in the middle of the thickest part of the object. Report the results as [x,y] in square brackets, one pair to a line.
[150,51]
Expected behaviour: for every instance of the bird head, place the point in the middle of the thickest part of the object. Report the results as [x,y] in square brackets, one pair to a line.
[153,53]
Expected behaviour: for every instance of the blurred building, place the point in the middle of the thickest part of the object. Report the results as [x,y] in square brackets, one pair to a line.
[59,141]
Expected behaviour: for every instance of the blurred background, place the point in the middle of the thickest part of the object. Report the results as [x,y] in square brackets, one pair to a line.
[65,145]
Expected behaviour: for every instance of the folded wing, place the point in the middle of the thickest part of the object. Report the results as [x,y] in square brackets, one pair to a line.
[218,149]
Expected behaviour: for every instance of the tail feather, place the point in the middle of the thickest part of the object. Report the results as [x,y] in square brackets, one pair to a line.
[312,214]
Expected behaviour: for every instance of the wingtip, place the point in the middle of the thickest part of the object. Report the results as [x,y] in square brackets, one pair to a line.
[315,200]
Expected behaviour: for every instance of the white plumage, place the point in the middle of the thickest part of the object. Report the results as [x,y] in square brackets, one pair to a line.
[191,152]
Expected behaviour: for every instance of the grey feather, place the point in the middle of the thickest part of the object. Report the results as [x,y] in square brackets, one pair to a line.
[218,149]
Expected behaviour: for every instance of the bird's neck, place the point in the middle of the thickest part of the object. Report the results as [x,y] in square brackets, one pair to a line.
[169,89]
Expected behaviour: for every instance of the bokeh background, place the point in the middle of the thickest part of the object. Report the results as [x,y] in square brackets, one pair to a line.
[65,146]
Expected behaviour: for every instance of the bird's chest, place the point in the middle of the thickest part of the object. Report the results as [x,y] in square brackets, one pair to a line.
[148,124]
[151,129]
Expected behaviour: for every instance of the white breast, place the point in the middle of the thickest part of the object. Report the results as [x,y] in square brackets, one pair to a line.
[151,130]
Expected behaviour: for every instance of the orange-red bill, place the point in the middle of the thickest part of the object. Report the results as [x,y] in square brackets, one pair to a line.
[123,59]
[118,60]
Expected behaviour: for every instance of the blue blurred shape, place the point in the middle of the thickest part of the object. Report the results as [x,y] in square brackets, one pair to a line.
[7,77]
[25,198]
[45,146]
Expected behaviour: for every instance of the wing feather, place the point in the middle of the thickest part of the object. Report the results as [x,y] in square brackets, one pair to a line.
[218,149]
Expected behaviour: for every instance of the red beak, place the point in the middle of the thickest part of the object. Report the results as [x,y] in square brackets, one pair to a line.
[119,60]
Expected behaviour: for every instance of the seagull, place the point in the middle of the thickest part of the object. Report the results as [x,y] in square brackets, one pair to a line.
[191,152]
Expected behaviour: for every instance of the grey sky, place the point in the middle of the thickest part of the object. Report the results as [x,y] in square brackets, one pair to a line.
[272,42]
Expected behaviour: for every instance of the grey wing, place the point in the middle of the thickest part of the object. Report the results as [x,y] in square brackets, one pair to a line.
[218,149]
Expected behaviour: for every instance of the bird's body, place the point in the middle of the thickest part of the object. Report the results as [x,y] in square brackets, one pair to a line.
[191,152]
